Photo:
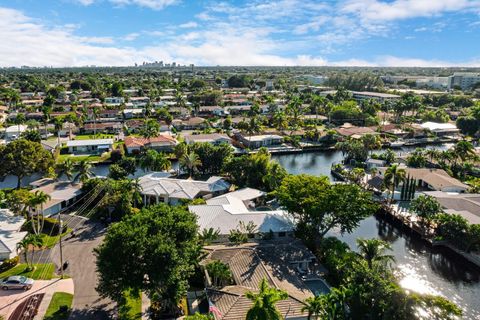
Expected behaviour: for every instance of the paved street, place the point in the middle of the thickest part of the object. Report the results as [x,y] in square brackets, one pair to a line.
[78,251]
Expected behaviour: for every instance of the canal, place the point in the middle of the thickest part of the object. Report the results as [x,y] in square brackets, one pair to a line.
[420,268]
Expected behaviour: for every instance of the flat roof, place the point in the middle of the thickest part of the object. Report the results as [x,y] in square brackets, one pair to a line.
[82,143]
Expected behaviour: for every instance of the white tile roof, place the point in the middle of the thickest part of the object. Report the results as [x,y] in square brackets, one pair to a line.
[226,211]
[9,231]
[157,184]
[93,142]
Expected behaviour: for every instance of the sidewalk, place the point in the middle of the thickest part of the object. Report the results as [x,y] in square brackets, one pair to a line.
[64,285]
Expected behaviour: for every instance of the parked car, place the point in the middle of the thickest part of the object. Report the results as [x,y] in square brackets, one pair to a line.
[16,282]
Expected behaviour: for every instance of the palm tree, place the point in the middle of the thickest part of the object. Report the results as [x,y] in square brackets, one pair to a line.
[432,154]
[220,273]
[373,251]
[393,176]
[464,150]
[84,171]
[264,302]
[65,168]
[191,162]
[155,161]
[39,198]
[207,236]
[36,241]
[23,246]
[314,306]
[135,189]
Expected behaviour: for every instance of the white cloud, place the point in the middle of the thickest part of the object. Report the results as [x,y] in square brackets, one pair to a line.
[96,40]
[403,9]
[188,25]
[152,4]
[131,36]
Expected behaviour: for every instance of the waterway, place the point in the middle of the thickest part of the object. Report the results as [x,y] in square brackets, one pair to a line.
[420,268]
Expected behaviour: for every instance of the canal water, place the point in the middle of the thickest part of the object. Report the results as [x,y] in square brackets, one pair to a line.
[420,268]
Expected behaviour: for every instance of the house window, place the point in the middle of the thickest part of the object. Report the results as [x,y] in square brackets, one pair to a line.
[282,234]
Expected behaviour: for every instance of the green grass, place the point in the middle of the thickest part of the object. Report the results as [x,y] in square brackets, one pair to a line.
[93,137]
[50,241]
[90,158]
[131,309]
[42,271]
[59,307]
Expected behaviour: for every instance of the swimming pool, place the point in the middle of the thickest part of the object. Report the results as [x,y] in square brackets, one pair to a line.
[318,287]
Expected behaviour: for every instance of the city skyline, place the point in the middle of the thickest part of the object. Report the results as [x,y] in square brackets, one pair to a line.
[251,33]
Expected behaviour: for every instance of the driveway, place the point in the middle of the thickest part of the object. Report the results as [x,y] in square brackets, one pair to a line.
[78,251]
[11,299]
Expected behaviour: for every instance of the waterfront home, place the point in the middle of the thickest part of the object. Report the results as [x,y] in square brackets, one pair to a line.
[161,143]
[465,204]
[14,132]
[213,138]
[375,163]
[157,187]
[255,142]
[224,213]
[10,233]
[290,267]
[62,194]
[349,130]
[431,179]
[91,147]
[441,129]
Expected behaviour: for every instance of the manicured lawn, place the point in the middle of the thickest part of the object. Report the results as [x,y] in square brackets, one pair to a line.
[132,309]
[90,158]
[50,241]
[92,137]
[43,271]
[59,307]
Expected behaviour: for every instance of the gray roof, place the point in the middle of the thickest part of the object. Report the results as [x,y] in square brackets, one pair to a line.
[93,142]
[156,184]
[465,204]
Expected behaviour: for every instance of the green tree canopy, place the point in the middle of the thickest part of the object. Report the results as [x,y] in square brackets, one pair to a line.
[153,251]
[22,158]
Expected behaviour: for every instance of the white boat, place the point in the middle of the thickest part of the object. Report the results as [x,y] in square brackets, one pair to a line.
[397,144]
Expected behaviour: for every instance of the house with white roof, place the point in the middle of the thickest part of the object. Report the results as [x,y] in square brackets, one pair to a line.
[95,146]
[224,213]
[10,233]
[157,187]
[266,140]
[213,138]
[14,132]
[441,129]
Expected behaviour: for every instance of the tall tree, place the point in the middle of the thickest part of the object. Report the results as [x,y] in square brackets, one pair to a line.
[393,176]
[319,206]
[190,162]
[153,251]
[22,158]
[37,220]
[373,251]
[264,302]
[155,161]
[84,171]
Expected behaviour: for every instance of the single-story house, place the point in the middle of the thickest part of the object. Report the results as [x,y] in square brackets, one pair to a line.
[348,130]
[465,204]
[132,113]
[441,129]
[225,212]
[266,140]
[157,187]
[432,179]
[10,233]
[14,132]
[213,138]
[62,194]
[114,101]
[104,127]
[375,163]
[159,143]
[193,123]
[95,146]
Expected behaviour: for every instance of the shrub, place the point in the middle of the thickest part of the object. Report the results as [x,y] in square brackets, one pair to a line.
[9,264]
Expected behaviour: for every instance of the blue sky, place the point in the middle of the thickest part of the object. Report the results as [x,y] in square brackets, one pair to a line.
[247,32]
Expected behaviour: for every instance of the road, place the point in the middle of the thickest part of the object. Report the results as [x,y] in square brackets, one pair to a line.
[78,251]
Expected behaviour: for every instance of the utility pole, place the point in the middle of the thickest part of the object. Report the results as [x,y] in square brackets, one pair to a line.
[60,224]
